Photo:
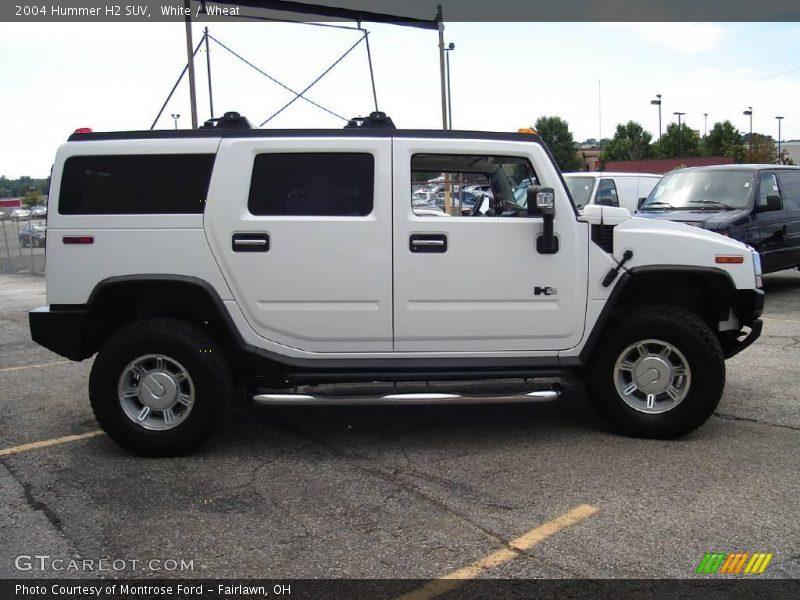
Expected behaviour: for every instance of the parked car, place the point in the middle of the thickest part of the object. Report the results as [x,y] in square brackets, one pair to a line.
[4,215]
[39,211]
[20,214]
[33,235]
[755,204]
[610,189]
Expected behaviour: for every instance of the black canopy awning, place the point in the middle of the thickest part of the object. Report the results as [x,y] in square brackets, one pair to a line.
[335,12]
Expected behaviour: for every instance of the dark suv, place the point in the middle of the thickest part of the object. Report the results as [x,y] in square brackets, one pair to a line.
[756,204]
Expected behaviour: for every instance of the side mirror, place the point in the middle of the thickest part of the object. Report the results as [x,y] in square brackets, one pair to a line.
[640,202]
[542,203]
[773,203]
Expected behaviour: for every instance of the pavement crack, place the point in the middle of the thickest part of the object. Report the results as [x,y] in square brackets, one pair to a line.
[730,417]
[35,503]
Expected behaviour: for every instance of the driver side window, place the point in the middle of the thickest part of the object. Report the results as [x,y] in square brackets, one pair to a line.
[767,186]
[470,185]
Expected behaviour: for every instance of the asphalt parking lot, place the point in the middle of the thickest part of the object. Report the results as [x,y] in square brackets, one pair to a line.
[412,492]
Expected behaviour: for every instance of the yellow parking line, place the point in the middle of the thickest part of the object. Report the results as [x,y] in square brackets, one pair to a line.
[40,365]
[47,443]
[522,543]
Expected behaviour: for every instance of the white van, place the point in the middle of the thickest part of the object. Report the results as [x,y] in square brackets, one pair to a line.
[610,189]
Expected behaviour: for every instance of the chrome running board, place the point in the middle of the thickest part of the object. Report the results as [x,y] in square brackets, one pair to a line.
[401,399]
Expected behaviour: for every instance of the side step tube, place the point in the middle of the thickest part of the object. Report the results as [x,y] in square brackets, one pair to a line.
[403,399]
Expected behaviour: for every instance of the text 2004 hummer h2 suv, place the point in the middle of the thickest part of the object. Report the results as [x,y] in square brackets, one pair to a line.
[196,263]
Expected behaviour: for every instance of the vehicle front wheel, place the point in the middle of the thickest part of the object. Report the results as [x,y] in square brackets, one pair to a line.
[158,387]
[659,374]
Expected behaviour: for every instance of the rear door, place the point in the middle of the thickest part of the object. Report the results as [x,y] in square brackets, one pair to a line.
[302,231]
[477,283]
[790,187]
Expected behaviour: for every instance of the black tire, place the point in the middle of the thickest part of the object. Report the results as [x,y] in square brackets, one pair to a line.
[687,333]
[180,341]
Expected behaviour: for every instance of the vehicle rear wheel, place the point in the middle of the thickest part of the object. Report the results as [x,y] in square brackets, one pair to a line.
[158,387]
[660,373]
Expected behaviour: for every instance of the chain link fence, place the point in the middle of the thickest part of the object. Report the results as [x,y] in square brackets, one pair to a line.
[22,244]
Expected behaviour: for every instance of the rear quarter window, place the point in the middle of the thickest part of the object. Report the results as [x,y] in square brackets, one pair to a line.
[135,184]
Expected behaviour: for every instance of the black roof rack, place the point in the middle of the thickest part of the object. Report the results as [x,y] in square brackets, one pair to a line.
[375,120]
[230,120]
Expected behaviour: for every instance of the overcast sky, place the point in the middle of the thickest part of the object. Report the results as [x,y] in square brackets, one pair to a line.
[111,76]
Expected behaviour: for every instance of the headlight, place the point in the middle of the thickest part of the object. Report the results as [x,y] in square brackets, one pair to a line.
[757,269]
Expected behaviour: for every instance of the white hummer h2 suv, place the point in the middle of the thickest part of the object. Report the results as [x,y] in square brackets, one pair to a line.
[227,261]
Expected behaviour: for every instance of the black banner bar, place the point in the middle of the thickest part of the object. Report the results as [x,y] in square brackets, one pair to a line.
[396,589]
[415,13]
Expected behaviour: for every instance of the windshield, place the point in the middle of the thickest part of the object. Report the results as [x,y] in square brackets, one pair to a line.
[686,190]
[580,188]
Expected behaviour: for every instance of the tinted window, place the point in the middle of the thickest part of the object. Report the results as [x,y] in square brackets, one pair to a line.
[607,193]
[325,184]
[135,184]
[790,181]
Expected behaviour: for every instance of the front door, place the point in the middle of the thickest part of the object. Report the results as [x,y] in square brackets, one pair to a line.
[472,280]
[772,229]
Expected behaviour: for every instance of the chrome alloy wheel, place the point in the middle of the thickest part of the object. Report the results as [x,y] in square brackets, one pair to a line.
[156,392]
[652,376]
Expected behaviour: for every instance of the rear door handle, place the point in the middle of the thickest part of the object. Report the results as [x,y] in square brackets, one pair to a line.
[427,242]
[250,242]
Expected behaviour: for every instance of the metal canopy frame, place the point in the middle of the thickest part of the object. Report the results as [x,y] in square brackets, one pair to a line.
[320,10]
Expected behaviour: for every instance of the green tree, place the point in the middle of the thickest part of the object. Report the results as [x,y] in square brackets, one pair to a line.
[630,142]
[724,140]
[555,133]
[761,149]
[33,198]
[678,142]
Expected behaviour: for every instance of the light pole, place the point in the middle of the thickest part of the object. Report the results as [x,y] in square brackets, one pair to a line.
[749,113]
[657,102]
[176,116]
[680,133]
[450,46]
[780,158]
[705,124]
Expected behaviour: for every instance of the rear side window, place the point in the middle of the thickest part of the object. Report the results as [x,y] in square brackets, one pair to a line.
[790,181]
[135,184]
[312,184]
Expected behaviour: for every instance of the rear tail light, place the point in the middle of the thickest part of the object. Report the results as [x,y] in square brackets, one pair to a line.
[729,259]
[78,239]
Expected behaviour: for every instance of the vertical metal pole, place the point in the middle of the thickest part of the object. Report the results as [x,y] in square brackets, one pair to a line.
[449,95]
[440,21]
[659,121]
[780,160]
[208,67]
[190,58]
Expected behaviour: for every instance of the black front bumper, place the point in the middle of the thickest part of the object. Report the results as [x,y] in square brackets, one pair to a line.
[64,329]
[749,309]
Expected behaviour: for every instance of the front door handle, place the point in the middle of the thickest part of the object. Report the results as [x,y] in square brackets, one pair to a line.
[427,242]
[250,242]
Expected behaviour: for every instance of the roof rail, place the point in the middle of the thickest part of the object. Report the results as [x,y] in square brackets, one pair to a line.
[375,120]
